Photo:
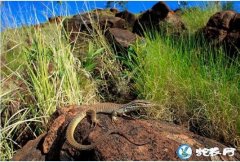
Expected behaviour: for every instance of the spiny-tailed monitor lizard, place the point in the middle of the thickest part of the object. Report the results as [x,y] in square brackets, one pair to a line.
[108,108]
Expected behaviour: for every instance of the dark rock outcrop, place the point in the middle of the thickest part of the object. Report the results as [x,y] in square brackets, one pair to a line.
[159,18]
[223,28]
[161,140]
[84,27]
[160,10]
[129,17]
[84,23]
[114,10]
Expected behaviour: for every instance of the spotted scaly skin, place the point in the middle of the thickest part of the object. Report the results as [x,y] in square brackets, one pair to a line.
[109,108]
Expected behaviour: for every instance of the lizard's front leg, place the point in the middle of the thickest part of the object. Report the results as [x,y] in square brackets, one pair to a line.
[114,116]
[94,120]
[123,114]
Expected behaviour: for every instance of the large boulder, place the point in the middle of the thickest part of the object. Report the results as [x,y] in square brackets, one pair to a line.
[223,28]
[160,18]
[159,140]
[129,17]
[87,22]
[83,27]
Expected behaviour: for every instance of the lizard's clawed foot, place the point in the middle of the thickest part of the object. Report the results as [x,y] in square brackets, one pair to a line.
[114,119]
[95,123]
[100,125]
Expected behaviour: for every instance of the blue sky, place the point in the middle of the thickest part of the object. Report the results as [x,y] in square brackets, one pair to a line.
[18,13]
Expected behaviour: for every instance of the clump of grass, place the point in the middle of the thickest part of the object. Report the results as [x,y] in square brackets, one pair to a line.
[11,127]
[56,76]
[44,61]
[195,84]
[51,76]
[106,70]
[196,18]
[192,83]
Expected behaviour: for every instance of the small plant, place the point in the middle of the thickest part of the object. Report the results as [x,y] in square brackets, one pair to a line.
[89,62]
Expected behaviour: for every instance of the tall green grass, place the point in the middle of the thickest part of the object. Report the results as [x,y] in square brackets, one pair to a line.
[195,18]
[36,78]
[196,85]
[193,83]
[41,71]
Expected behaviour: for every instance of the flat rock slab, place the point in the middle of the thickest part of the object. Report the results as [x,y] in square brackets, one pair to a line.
[120,37]
[162,140]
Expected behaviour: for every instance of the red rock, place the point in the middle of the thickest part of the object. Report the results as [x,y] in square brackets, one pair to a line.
[120,37]
[31,151]
[161,140]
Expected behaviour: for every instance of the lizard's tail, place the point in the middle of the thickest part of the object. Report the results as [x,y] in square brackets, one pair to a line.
[70,133]
[123,135]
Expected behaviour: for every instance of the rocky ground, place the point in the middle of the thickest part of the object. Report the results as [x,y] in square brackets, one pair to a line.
[160,140]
